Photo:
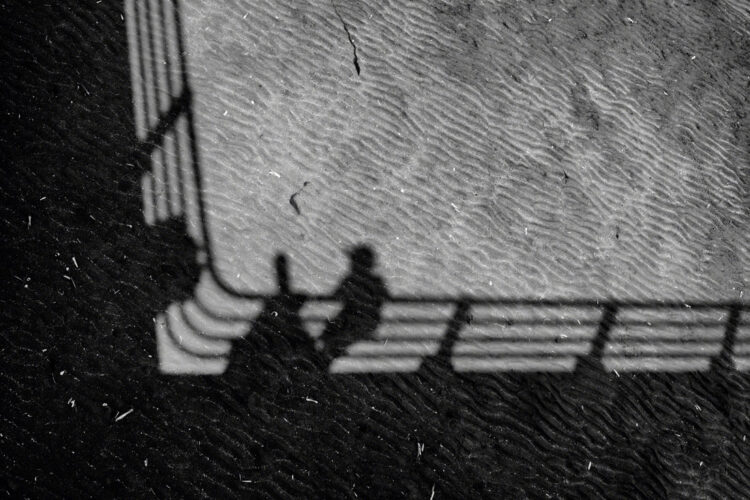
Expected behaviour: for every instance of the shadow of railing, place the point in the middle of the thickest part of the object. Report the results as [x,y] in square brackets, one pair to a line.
[479,334]
[465,333]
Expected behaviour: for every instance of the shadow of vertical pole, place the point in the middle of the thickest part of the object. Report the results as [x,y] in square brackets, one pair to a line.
[282,274]
[724,391]
[723,363]
[593,360]
[442,359]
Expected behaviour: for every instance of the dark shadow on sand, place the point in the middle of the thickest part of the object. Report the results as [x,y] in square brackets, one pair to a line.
[362,293]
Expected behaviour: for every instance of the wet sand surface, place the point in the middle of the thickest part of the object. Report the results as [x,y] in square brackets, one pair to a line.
[598,151]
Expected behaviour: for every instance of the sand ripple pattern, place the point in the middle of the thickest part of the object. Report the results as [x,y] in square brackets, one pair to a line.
[515,149]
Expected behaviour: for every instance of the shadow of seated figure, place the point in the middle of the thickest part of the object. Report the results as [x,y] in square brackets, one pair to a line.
[363,294]
[277,344]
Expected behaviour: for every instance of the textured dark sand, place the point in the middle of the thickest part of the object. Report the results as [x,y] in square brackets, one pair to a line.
[77,353]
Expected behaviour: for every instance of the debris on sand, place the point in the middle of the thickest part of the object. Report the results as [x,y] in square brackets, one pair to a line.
[119,417]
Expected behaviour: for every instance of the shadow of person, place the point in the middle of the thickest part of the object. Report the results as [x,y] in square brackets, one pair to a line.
[277,347]
[363,294]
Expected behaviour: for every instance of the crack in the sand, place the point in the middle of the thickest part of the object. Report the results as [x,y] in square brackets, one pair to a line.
[348,35]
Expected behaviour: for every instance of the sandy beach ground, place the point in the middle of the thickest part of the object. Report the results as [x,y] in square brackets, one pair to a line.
[541,149]
[569,149]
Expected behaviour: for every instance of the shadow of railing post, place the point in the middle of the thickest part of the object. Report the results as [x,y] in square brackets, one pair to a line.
[593,360]
[442,359]
[723,363]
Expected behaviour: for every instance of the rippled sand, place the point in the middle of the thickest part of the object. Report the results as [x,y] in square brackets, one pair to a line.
[507,149]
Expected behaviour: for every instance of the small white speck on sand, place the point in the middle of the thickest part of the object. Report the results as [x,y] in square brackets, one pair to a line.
[274,173]
[589,467]
[616,373]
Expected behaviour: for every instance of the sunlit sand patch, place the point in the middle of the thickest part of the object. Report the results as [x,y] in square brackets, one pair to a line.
[371,348]
[411,330]
[365,365]
[742,344]
[191,340]
[175,360]
[508,313]
[429,311]
[147,192]
[671,340]
[208,324]
[514,364]
[407,334]
[657,364]
[541,332]
[494,348]
[216,301]
[526,337]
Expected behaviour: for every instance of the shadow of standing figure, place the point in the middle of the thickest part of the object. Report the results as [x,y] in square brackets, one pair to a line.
[277,346]
[363,294]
